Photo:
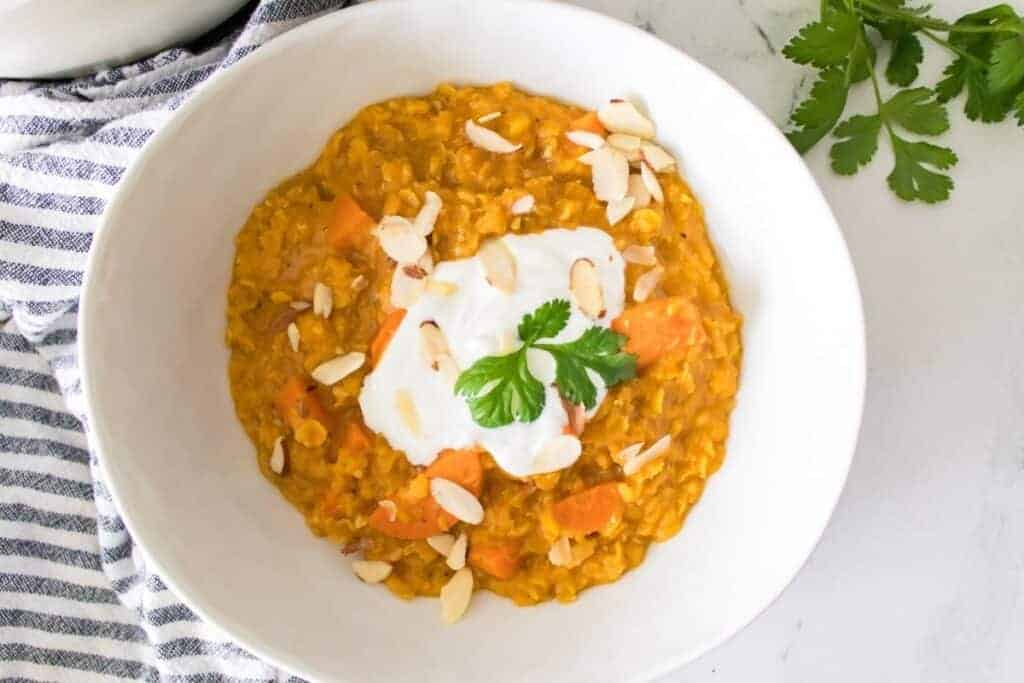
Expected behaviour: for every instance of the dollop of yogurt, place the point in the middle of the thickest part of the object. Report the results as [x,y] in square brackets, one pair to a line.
[477,320]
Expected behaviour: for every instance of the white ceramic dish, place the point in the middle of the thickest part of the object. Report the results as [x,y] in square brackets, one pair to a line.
[183,472]
[55,39]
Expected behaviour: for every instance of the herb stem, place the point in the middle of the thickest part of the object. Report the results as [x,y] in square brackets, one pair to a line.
[954,49]
[878,100]
[922,22]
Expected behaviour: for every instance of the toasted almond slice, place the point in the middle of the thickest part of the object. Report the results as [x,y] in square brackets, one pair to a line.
[407,411]
[485,138]
[293,336]
[300,305]
[457,555]
[585,138]
[656,157]
[640,255]
[652,184]
[371,571]
[277,456]
[390,506]
[620,116]
[559,452]
[646,283]
[448,369]
[442,543]
[627,144]
[488,117]
[359,283]
[456,594]
[432,343]
[610,172]
[522,205]
[323,300]
[400,239]
[428,214]
[619,209]
[405,290]
[441,287]
[635,464]
[560,553]
[499,265]
[585,286]
[628,453]
[337,369]
[587,158]
[576,414]
[456,501]
[637,189]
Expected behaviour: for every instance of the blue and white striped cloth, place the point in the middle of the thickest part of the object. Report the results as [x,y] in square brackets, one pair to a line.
[76,599]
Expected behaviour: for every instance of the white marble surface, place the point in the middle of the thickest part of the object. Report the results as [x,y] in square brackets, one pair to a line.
[920,576]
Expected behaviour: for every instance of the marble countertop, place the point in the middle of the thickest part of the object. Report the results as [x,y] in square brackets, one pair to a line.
[920,576]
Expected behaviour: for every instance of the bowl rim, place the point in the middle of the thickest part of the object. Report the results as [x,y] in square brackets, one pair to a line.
[337,21]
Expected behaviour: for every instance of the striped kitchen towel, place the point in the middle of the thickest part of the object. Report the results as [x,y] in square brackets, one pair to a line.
[76,599]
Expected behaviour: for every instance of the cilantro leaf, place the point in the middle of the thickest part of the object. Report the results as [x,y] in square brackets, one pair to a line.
[912,179]
[1006,71]
[1018,108]
[547,321]
[859,145]
[917,111]
[820,112]
[981,103]
[599,349]
[907,55]
[824,43]
[500,390]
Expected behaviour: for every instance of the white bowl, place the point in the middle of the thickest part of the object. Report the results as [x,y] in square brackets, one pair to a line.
[184,474]
[54,39]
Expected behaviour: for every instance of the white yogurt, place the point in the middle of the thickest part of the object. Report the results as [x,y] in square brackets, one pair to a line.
[474,320]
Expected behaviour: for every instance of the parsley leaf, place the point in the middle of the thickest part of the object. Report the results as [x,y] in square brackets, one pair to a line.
[859,145]
[500,389]
[911,178]
[907,55]
[916,111]
[820,112]
[824,43]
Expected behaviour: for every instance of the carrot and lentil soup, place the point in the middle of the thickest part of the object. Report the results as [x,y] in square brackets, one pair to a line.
[483,342]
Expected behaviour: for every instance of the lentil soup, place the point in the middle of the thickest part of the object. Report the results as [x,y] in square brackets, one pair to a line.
[332,261]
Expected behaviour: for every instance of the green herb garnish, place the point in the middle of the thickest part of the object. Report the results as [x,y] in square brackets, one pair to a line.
[500,389]
[988,50]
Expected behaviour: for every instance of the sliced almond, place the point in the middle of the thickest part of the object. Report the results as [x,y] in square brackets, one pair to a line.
[585,138]
[400,239]
[640,255]
[442,543]
[405,290]
[432,343]
[499,265]
[390,506]
[485,138]
[293,336]
[610,172]
[407,411]
[627,144]
[587,158]
[576,414]
[337,369]
[585,286]
[371,571]
[428,214]
[323,300]
[651,183]
[620,116]
[637,189]
[488,117]
[456,501]
[456,594]
[656,157]
[277,456]
[457,555]
[658,448]
[559,452]
[628,453]
[300,305]
[560,553]
[619,209]
[522,205]
[646,283]
[359,283]
[441,287]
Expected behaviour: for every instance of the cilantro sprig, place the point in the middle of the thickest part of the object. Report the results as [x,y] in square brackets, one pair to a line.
[988,64]
[501,390]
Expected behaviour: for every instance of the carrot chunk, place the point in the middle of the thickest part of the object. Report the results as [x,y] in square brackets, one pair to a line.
[658,327]
[589,510]
[295,401]
[590,123]
[413,522]
[350,223]
[385,333]
[462,467]
[355,438]
[500,560]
